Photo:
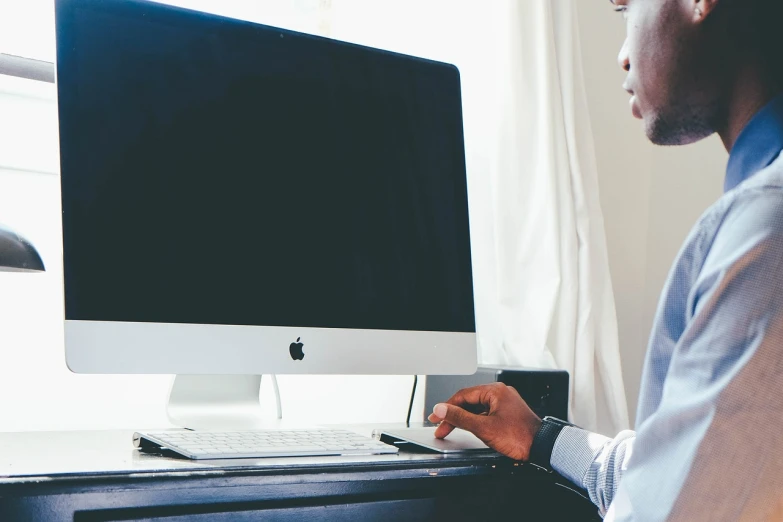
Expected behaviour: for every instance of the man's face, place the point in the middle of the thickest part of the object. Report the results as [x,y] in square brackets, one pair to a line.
[674,87]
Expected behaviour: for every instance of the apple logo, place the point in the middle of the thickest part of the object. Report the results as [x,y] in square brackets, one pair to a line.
[296,350]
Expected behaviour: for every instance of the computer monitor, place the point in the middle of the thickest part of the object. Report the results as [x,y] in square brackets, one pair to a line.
[243,199]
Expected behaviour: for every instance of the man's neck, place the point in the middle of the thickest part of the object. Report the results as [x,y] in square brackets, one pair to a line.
[750,92]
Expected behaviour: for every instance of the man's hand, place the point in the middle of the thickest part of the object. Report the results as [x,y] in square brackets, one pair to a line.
[502,419]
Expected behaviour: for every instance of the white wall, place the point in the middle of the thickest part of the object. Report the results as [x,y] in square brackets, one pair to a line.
[651,196]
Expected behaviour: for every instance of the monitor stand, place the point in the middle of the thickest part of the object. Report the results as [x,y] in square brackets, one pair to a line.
[219,403]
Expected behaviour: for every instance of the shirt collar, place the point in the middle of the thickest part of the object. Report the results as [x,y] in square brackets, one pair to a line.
[759,143]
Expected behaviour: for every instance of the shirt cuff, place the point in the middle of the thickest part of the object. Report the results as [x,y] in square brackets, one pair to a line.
[575,451]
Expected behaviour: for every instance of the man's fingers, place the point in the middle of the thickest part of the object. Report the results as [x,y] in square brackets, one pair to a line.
[443,430]
[475,398]
[457,417]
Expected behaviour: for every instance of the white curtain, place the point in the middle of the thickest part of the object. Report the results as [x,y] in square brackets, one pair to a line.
[544,290]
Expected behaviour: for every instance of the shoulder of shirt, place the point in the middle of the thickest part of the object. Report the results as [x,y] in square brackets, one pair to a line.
[753,206]
[763,189]
[770,178]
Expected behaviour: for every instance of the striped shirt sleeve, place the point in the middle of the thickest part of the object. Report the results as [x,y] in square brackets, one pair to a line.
[593,461]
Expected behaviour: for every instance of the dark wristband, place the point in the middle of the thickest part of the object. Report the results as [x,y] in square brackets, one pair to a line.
[544,442]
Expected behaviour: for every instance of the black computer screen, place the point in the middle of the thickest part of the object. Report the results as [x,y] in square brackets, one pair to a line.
[223,172]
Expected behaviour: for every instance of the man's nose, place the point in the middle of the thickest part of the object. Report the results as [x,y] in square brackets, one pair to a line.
[623,59]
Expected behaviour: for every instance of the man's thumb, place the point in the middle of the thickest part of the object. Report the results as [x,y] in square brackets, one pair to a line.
[457,417]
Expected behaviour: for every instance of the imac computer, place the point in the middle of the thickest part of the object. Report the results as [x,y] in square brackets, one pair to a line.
[239,200]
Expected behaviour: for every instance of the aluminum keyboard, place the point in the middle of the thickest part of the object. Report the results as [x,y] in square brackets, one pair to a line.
[262,443]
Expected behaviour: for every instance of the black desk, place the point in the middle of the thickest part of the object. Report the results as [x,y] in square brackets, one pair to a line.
[88,476]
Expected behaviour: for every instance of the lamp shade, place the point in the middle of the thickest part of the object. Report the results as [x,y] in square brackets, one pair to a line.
[17,254]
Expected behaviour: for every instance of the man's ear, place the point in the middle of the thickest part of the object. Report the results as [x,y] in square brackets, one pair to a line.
[702,9]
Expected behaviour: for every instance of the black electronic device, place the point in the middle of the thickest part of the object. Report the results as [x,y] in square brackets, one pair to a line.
[545,390]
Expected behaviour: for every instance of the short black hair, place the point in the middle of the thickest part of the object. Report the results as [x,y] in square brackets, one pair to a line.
[754,27]
[767,20]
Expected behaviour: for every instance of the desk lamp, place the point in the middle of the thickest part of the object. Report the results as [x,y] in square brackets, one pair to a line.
[17,254]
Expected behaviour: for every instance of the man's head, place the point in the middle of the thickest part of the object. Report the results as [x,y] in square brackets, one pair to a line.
[685,60]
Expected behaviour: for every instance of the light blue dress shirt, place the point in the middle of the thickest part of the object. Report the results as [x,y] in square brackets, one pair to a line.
[708,443]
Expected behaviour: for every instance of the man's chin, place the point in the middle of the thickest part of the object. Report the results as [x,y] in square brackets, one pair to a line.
[661,131]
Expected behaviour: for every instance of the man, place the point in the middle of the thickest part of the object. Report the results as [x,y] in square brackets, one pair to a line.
[708,443]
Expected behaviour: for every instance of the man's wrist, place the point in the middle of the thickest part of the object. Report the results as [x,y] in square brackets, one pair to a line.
[535,427]
[544,442]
